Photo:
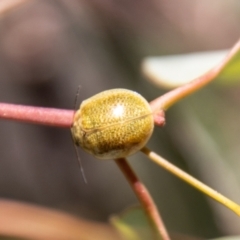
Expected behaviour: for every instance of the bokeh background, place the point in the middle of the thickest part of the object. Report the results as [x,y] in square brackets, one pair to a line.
[50,47]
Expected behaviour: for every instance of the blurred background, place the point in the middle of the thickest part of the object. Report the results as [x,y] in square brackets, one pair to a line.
[50,47]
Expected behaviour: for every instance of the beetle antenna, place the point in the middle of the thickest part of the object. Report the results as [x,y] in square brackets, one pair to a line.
[80,164]
[76,150]
[76,97]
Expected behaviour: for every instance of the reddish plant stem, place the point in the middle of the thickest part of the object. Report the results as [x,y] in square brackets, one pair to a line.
[49,116]
[167,100]
[145,199]
[38,115]
[64,118]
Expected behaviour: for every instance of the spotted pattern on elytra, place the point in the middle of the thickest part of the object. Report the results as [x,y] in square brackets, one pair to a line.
[113,124]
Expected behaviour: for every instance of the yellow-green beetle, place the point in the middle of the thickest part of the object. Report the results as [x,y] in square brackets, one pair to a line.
[113,124]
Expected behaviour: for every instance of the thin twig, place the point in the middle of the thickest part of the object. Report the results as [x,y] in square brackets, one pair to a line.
[37,115]
[192,181]
[167,100]
[145,199]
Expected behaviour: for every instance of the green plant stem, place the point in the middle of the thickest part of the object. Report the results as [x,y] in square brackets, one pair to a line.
[167,100]
[145,199]
[37,115]
[192,181]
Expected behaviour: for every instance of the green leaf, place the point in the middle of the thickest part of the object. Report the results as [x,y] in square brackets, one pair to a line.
[176,70]
[133,224]
[173,71]
[231,72]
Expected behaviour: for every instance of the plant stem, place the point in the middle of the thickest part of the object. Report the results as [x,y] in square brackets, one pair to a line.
[145,199]
[49,116]
[38,115]
[192,181]
[167,100]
